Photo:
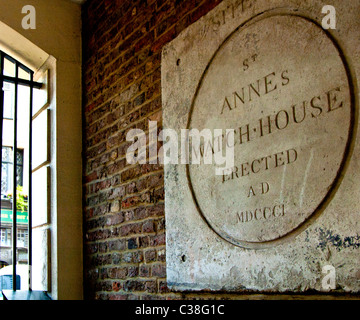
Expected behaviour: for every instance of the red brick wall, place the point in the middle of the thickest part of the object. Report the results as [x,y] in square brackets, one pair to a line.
[124,221]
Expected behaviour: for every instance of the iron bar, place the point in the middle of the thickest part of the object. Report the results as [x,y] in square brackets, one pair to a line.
[14,197]
[1,119]
[30,186]
[20,81]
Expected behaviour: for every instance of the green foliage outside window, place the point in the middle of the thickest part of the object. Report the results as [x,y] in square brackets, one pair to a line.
[21,199]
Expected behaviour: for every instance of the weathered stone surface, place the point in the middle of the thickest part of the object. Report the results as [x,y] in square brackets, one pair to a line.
[288,207]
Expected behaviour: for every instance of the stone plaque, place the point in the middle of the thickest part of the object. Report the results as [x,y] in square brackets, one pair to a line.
[285,111]
[287,88]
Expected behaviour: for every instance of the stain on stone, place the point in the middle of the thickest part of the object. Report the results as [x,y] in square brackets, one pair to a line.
[328,237]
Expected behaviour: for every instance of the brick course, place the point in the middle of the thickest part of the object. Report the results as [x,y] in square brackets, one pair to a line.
[124,222]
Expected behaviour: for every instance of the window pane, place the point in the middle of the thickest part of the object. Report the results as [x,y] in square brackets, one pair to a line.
[6,172]
[23,74]
[9,92]
[9,68]
[6,182]
[6,154]
[23,116]
[20,167]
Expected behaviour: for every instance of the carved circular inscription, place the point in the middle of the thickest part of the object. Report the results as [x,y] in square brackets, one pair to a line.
[281,83]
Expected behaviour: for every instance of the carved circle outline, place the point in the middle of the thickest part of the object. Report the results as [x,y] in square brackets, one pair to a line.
[347,151]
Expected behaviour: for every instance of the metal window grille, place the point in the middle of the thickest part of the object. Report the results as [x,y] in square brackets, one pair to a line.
[9,108]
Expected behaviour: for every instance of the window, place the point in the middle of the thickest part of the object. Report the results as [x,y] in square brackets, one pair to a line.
[16,119]
[57,229]
[5,237]
[22,238]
